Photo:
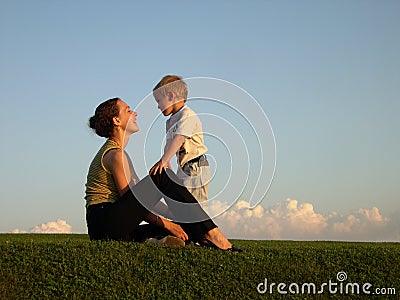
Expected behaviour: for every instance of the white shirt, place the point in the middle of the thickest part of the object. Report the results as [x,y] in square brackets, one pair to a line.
[185,122]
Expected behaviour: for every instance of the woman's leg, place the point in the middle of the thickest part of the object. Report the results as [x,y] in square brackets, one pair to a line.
[95,219]
[186,209]
[124,216]
[178,197]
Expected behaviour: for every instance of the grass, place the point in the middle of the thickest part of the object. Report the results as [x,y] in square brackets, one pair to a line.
[71,267]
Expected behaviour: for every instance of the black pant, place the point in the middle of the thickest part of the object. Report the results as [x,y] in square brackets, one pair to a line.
[120,220]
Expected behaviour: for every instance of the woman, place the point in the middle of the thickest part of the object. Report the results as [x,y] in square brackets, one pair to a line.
[114,210]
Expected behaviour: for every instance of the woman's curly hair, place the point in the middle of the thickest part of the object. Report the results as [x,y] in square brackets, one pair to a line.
[102,121]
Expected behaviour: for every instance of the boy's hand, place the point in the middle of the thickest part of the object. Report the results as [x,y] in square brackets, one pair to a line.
[157,168]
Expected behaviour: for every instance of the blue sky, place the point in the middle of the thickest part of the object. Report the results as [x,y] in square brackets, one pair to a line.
[326,73]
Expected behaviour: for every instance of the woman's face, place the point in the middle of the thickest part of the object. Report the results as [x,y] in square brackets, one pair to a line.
[127,117]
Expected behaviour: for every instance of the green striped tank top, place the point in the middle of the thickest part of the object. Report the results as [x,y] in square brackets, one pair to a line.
[100,185]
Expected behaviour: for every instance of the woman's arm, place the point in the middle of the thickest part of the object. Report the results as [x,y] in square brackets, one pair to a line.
[175,229]
[116,162]
[134,176]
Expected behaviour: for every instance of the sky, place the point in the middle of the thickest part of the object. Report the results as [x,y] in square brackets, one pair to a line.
[326,74]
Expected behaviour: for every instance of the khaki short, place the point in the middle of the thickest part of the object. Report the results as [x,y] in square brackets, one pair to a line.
[196,178]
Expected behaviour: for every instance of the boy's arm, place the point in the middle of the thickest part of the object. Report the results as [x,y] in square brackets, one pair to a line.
[170,149]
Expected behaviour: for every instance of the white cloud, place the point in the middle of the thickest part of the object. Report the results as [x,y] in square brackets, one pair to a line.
[18,231]
[292,220]
[363,224]
[59,226]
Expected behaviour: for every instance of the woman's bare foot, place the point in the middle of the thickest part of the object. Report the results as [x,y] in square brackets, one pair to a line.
[218,239]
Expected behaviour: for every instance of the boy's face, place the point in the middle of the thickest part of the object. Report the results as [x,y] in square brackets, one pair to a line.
[165,103]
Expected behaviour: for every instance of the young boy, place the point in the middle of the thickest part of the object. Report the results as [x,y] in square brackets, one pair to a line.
[184,137]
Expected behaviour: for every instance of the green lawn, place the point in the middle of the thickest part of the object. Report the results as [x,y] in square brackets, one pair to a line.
[71,267]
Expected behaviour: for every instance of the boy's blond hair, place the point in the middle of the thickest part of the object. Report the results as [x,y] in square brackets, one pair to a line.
[172,83]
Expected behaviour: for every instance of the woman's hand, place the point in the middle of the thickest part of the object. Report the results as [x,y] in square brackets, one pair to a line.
[175,229]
